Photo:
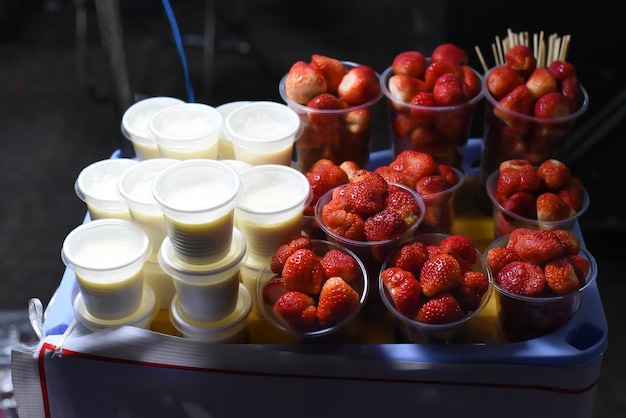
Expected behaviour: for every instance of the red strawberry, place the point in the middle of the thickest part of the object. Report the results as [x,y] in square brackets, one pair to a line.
[414,165]
[437,69]
[561,276]
[518,101]
[562,69]
[338,300]
[410,63]
[405,204]
[536,246]
[440,309]
[472,82]
[297,310]
[324,177]
[498,257]
[522,204]
[363,197]
[341,221]
[461,248]
[371,177]
[516,176]
[470,294]
[359,85]
[522,278]
[552,105]
[304,82]
[358,121]
[338,263]
[403,288]
[332,69]
[390,175]
[284,250]
[425,100]
[581,267]
[303,272]
[325,101]
[569,240]
[541,82]
[428,186]
[448,90]
[404,87]
[449,53]
[521,59]
[350,167]
[572,193]
[440,273]
[570,87]
[553,174]
[273,290]
[502,80]
[410,257]
[550,207]
[384,225]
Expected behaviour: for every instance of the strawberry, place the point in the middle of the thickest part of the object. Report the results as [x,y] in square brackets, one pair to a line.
[403,288]
[390,175]
[449,53]
[358,121]
[405,204]
[273,290]
[562,69]
[425,100]
[377,180]
[359,85]
[384,225]
[324,177]
[440,273]
[553,174]
[569,240]
[338,263]
[552,105]
[428,186]
[303,272]
[561,276]
[437,69]
[404,87]
[337,302]
[284,250]
[448,90]
[410,257]
[502,80]
[325,101]
[550,207]
[572,91]
[341,221]
[363,198]
[297,310]
[516,176]
[332,69]
[581,267]
[498,257]
[518,101]
[472,82]
[440,309]
[303,82]
[536,246]
[414,165]
[521,278]
[541,82]
[350,168]
[521,59]
[461,248]
[572,193]
[409,63]
[521,203]
[470,294]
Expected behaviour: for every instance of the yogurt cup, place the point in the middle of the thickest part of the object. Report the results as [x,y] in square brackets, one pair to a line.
[205,292]
[107,256]
[161,283]
[96,185]
[231,329]
[263,132]
[136,120]
[197,198]
[141,318]
[225,147]
[186,131]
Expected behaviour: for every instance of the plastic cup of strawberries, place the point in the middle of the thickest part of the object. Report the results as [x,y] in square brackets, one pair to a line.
[336,102]
[437,285]
[313,297]
[539,278]
[523,196]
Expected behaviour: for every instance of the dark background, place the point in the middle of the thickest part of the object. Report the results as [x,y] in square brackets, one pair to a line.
[60,105]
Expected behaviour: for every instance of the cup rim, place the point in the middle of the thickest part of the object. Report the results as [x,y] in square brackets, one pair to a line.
[471,102]
[136,135]
[152,167]
[490,185]
[590,278]
[264,308]
[306,109]
[90,196]
[571,117]
[175,141]
[326,197]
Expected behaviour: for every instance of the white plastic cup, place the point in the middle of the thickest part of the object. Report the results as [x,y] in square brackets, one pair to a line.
[135,187]
[206,292]
[197,198]
[136,120]
[187,131]
[270,207]
[225,148]
[107,256]
[96,185]
[263,132]
[160,281]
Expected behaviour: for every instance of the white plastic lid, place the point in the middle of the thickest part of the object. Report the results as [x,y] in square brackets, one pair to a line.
[228,329]
[135,183]
[97,184]
[141,318]
[188,126]
[136,118]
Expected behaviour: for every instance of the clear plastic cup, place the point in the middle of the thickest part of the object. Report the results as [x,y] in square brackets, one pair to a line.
[135,187]
[439,215]
[96,185]
[187,131]
[263,132]
[205,292]
[107,256]
[335,134]
[136,120]
[197,198]
[159,281]
[441,131]
[226,151]
[233,329]
[269,209]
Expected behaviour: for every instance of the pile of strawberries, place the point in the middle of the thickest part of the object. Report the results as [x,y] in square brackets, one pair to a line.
[547,193]
[435,283]
[539,263]
[311,291]
[325,85]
